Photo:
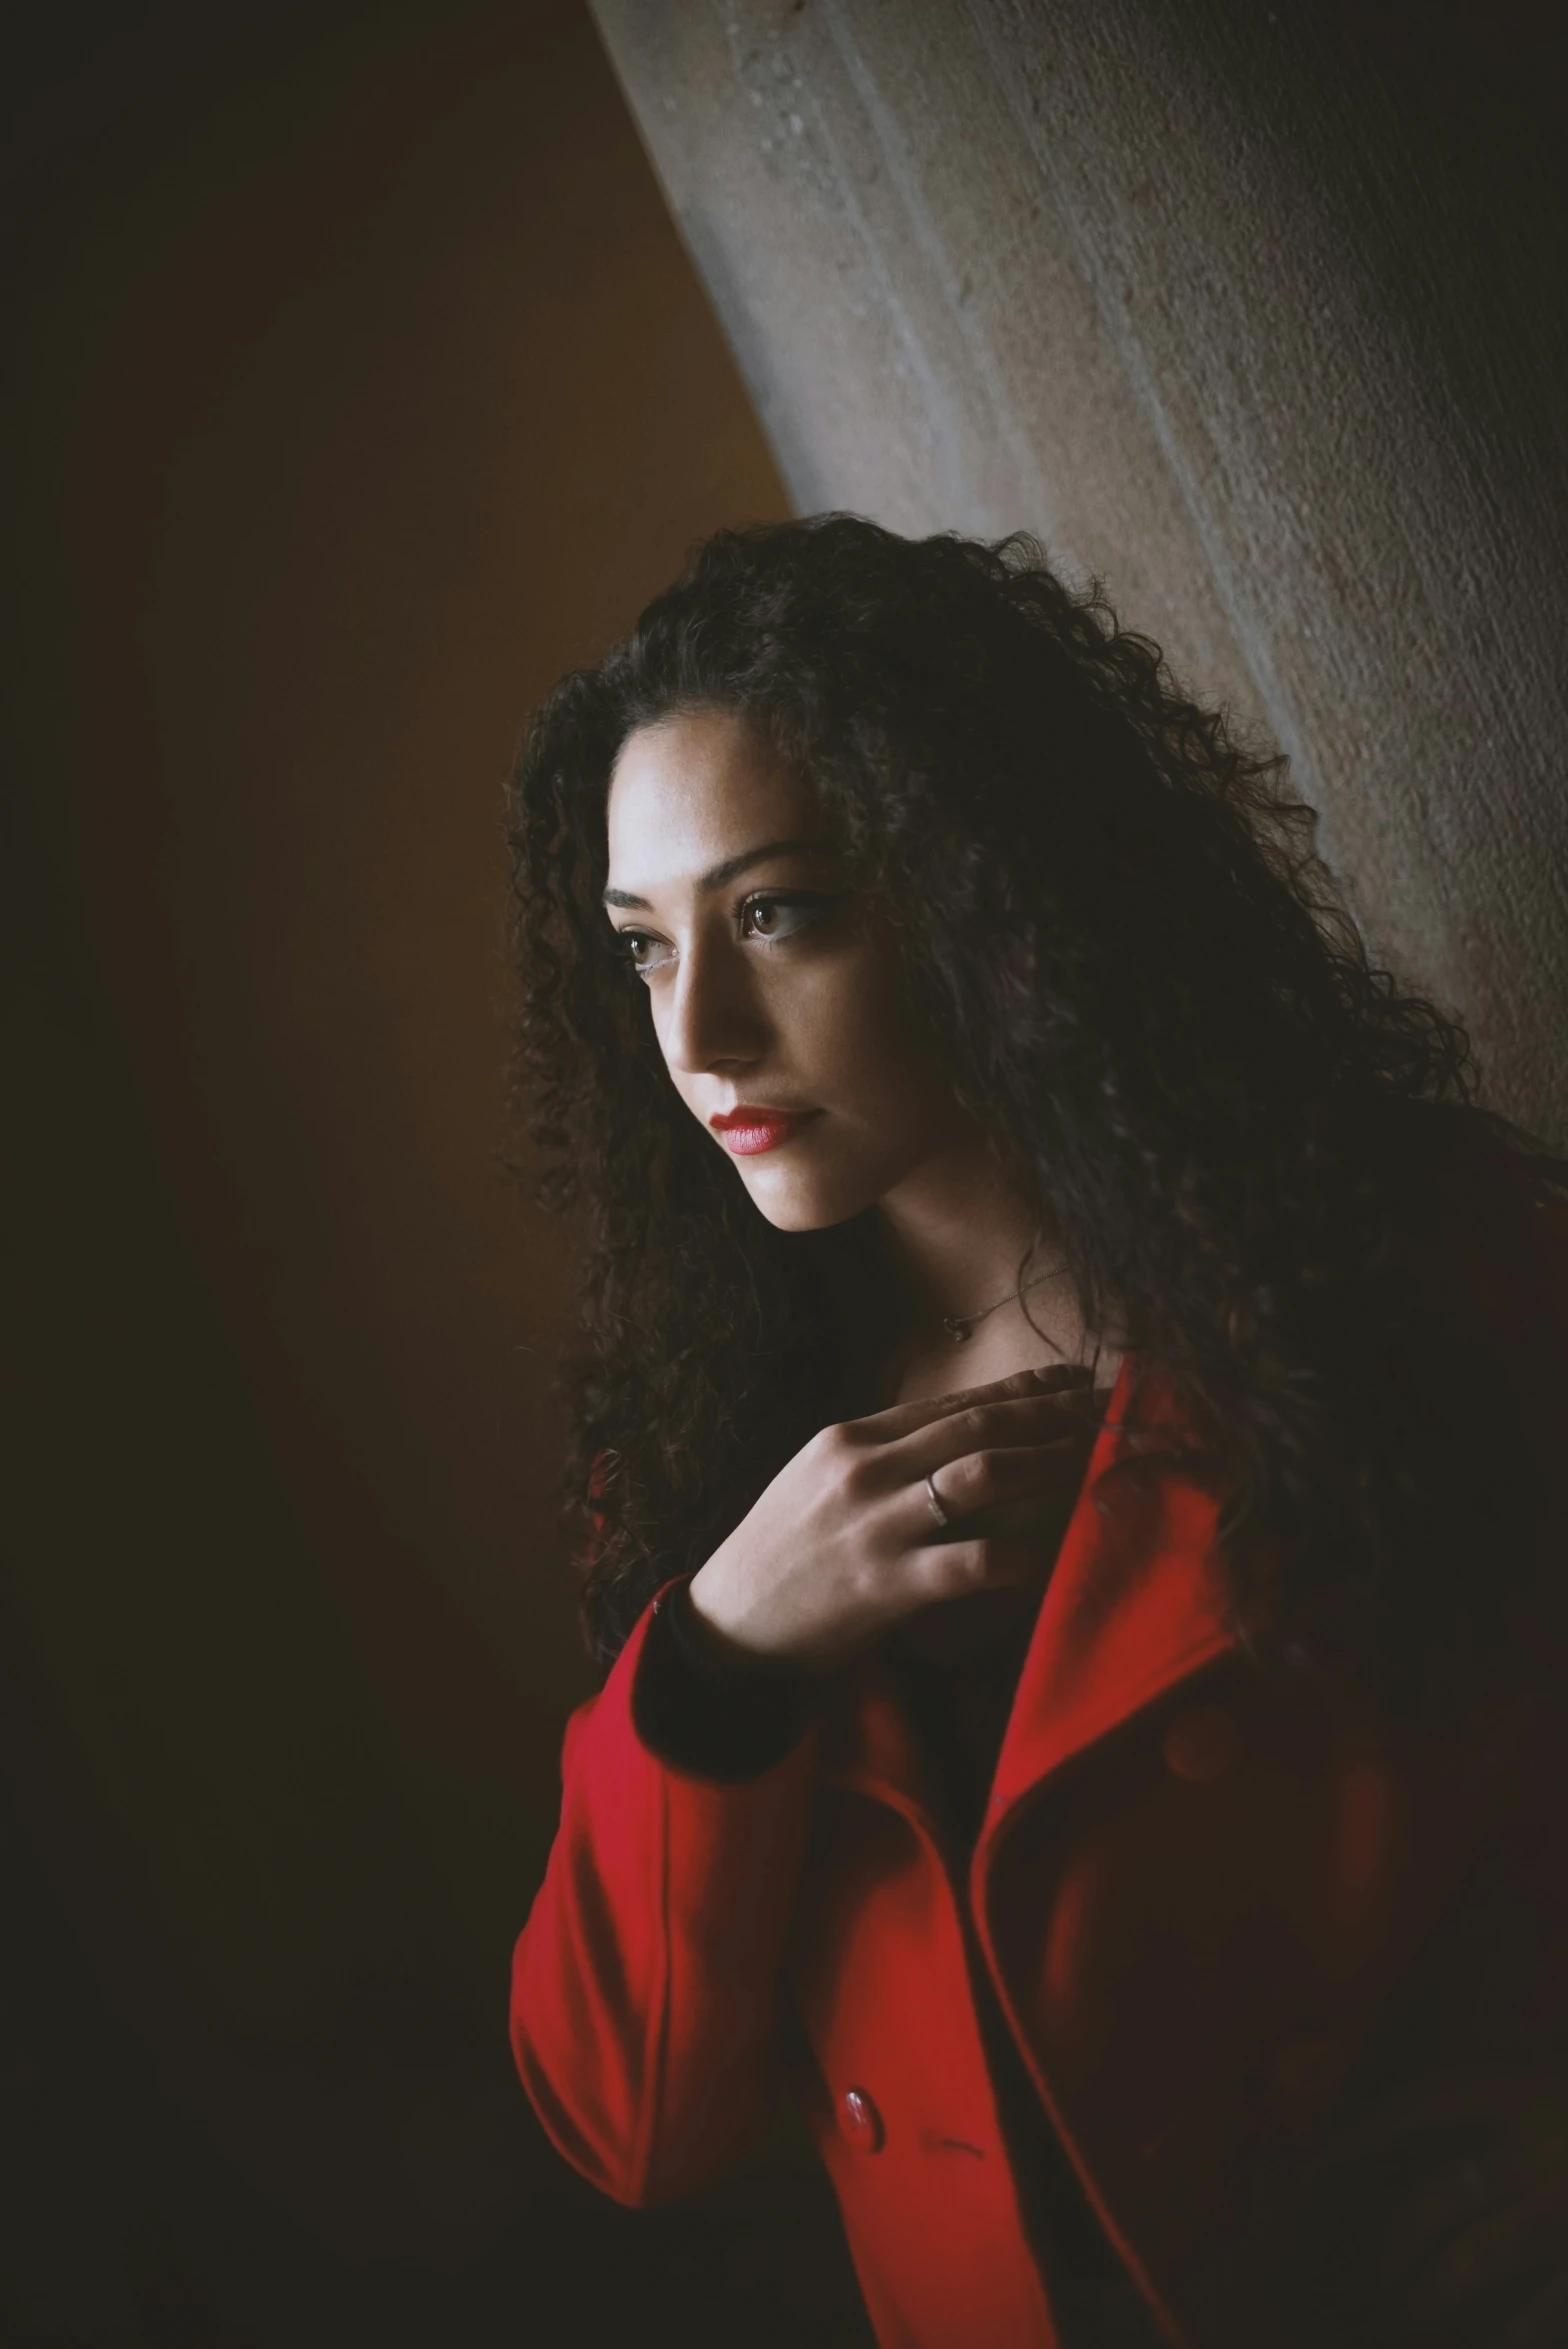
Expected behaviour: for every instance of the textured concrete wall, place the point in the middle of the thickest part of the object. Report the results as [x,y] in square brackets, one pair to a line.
[1256,313]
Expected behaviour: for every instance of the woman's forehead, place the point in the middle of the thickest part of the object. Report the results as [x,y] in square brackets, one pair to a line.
[695,790]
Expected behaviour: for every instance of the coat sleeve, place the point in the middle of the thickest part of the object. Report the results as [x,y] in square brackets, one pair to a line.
[645,1982]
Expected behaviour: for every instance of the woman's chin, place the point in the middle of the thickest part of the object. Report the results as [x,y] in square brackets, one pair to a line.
[794,1200]
[813,1192]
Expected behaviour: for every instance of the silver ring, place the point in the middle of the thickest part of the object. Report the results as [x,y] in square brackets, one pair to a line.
[937,1510]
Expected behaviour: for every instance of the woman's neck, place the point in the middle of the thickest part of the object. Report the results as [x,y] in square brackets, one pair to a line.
[979,1278]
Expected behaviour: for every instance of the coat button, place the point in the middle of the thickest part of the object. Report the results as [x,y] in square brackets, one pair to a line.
[1201,1744]
[860,2121]
[1311,2071]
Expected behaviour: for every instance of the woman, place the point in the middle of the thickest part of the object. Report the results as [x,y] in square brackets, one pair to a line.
[1070,1435]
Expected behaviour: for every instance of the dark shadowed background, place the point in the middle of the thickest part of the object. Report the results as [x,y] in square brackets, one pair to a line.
[357,385]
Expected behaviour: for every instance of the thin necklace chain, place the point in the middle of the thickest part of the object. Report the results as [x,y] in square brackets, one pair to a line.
[962,1325]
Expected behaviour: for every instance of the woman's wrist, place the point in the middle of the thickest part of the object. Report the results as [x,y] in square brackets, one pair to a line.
[713,1652]
[717,1715]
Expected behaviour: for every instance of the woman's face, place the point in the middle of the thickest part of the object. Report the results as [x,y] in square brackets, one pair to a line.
[777,998]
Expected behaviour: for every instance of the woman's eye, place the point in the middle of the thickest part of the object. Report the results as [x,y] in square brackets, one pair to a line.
[643,952]
[772,918]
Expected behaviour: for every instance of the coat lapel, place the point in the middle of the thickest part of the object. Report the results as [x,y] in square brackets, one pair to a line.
[1131,1608]
[1134,1603]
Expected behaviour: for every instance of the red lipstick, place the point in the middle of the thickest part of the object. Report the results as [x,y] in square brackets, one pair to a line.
[746,1130]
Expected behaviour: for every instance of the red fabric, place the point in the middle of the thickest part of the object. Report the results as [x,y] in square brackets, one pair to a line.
[1219,1908]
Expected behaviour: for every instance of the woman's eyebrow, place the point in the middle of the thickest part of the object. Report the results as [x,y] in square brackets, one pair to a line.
[733,866]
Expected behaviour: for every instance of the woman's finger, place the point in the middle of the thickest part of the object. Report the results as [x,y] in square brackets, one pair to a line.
[901,1419]
[955,1569]
[979,1480]
[1001,1426]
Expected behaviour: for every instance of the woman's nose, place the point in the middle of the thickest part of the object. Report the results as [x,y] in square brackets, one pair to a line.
[714,1018]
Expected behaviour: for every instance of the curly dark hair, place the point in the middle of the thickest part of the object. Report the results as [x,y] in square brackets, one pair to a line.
[1147,987]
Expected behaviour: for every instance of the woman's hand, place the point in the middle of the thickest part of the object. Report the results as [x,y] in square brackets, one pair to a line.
[1469,2179]
[844,1543]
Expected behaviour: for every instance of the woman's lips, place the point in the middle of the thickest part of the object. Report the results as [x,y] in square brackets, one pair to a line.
[746,1131]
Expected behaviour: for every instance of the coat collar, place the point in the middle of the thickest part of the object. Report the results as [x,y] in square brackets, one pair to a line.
[1133,1606]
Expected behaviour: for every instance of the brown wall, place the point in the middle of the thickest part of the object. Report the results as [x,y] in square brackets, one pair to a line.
[364,388]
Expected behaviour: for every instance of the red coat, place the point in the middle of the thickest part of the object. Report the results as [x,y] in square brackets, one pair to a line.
[1219,1906]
